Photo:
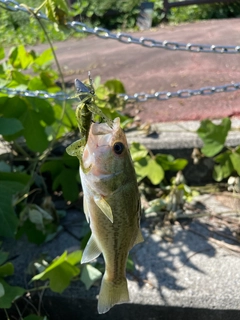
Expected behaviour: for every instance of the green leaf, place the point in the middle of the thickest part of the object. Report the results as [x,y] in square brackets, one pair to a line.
[141,168]
[3,257]
[6,270]
[18,177]
[53,166]
[33,234]
[20,77]
[49,78]
[178,164]
[74,257]
[102,93]
[36,84]
[148,167]
[33,132]
[138,151]
[235,159]
[44,108]
[56,10]
[67,123]
[155,172]
[10,126]
[67,180]
[69,161]
[8,218]
[3,83]
[213,136]
[13,107]
[225,167]
[2,291]
[168,162]
[90,275]
[11,293]
[60,273]
[44,59]
[115,86]
[130,264]
[20,58]
[2,53]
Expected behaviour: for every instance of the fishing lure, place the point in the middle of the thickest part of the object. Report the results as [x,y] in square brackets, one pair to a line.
[84,112]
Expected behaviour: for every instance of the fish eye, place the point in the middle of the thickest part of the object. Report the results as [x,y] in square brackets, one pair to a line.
[118,147]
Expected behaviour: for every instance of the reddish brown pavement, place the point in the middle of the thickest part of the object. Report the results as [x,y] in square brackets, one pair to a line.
[151,69]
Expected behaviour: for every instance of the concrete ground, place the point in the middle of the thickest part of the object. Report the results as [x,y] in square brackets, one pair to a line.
[192,273]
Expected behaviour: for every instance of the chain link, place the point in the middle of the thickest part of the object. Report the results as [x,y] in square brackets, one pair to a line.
[186,93]
[13,5]
[137,97]
[60,96]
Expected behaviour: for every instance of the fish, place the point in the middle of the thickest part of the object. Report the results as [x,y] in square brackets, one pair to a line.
[112,207]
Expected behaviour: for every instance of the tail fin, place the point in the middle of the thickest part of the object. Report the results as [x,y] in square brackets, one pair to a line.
[111,294]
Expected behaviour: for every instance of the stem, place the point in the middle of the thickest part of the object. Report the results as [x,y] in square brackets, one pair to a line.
[40,300]
[21,150]
[40,7]
[20,316]
[6,314]
[26,195]
[39,288]
[53,51]
[32,305]
[63,86]
[33,160]
[43,157]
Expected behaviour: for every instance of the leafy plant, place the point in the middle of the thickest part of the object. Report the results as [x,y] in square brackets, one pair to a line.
[152,166]
[7,293]
[227,162]
[173,196]
[204,11]
[24,29]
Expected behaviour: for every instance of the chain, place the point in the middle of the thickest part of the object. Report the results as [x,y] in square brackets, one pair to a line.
[13,5]
[186,93]
[60,96]
[137,97]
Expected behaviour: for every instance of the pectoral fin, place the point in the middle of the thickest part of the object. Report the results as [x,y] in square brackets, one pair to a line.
[91,251]
[104,206]
[139,238]
[86,209]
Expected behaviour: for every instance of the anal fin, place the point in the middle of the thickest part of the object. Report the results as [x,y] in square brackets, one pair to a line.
[91,251]
[104,206]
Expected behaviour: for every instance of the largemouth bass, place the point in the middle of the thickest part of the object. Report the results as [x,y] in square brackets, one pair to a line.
[111,206]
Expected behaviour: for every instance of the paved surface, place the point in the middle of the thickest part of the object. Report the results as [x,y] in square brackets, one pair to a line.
[191,271]
[148,70]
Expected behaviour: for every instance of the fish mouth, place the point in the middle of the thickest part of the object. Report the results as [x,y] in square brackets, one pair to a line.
[101,134]
[98,129]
